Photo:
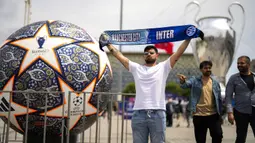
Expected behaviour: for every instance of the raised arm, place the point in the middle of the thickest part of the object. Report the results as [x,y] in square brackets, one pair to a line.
[124,60]
[175,57]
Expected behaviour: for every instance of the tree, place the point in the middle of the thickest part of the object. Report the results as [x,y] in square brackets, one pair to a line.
[175,88]
[171,87]
[129,88]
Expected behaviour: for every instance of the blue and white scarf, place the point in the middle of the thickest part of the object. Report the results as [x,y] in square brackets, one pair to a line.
[149,36]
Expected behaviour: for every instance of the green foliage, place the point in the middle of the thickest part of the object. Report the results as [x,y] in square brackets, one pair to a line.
[130,88]
[175,88]
[171,87]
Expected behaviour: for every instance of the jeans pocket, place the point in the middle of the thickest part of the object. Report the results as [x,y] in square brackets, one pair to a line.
[161,114]
[160,121]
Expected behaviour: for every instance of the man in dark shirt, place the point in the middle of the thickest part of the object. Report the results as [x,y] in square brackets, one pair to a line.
[178,111]
[240,87]
[169,112]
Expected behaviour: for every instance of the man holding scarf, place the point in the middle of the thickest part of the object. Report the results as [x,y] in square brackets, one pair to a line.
[150,78]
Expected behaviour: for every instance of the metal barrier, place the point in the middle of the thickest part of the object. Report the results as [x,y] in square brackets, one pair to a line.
[8,135]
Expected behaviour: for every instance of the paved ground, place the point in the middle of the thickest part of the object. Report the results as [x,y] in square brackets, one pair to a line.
[181,134]
[186,135]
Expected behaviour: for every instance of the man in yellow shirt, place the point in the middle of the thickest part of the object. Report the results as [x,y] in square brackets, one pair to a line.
[205,104]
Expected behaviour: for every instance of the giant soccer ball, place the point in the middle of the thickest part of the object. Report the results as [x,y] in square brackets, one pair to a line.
[42,59]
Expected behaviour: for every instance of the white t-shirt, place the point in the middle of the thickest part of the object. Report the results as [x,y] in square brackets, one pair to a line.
[150,84]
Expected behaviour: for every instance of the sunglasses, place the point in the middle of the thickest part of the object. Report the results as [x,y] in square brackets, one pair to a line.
[147,53]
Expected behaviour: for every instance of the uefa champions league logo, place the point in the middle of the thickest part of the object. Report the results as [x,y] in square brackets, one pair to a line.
[77,101]
[40,41]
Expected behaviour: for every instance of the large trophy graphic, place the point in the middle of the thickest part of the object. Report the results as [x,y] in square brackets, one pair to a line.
[220,41]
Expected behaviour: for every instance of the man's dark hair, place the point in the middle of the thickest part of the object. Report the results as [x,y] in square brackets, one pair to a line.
[247,59]
[205,63]
[150,47]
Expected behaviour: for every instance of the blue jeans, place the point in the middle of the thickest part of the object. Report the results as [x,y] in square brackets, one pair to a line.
[149,122]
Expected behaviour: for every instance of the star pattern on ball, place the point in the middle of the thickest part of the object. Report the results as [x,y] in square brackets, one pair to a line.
[45,49]
[76,108]
[103,63]
[16,109]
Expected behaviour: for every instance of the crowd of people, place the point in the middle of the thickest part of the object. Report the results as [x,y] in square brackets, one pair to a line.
[177,109]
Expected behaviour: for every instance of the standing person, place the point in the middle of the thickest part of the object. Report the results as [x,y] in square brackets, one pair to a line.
[187,114]
[150,80]
[205,104]
[242,86]
[169,112]
[178,111]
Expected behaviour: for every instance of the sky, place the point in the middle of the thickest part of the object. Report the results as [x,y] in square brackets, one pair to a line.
[96,16]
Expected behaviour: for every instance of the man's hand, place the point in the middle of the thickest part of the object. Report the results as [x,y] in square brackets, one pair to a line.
[231,118]
[221,120]
[182,78]
[201,34]
[103,41]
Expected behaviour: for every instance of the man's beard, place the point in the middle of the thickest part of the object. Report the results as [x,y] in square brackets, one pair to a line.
[243,69]
[150,61]
[207,73]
